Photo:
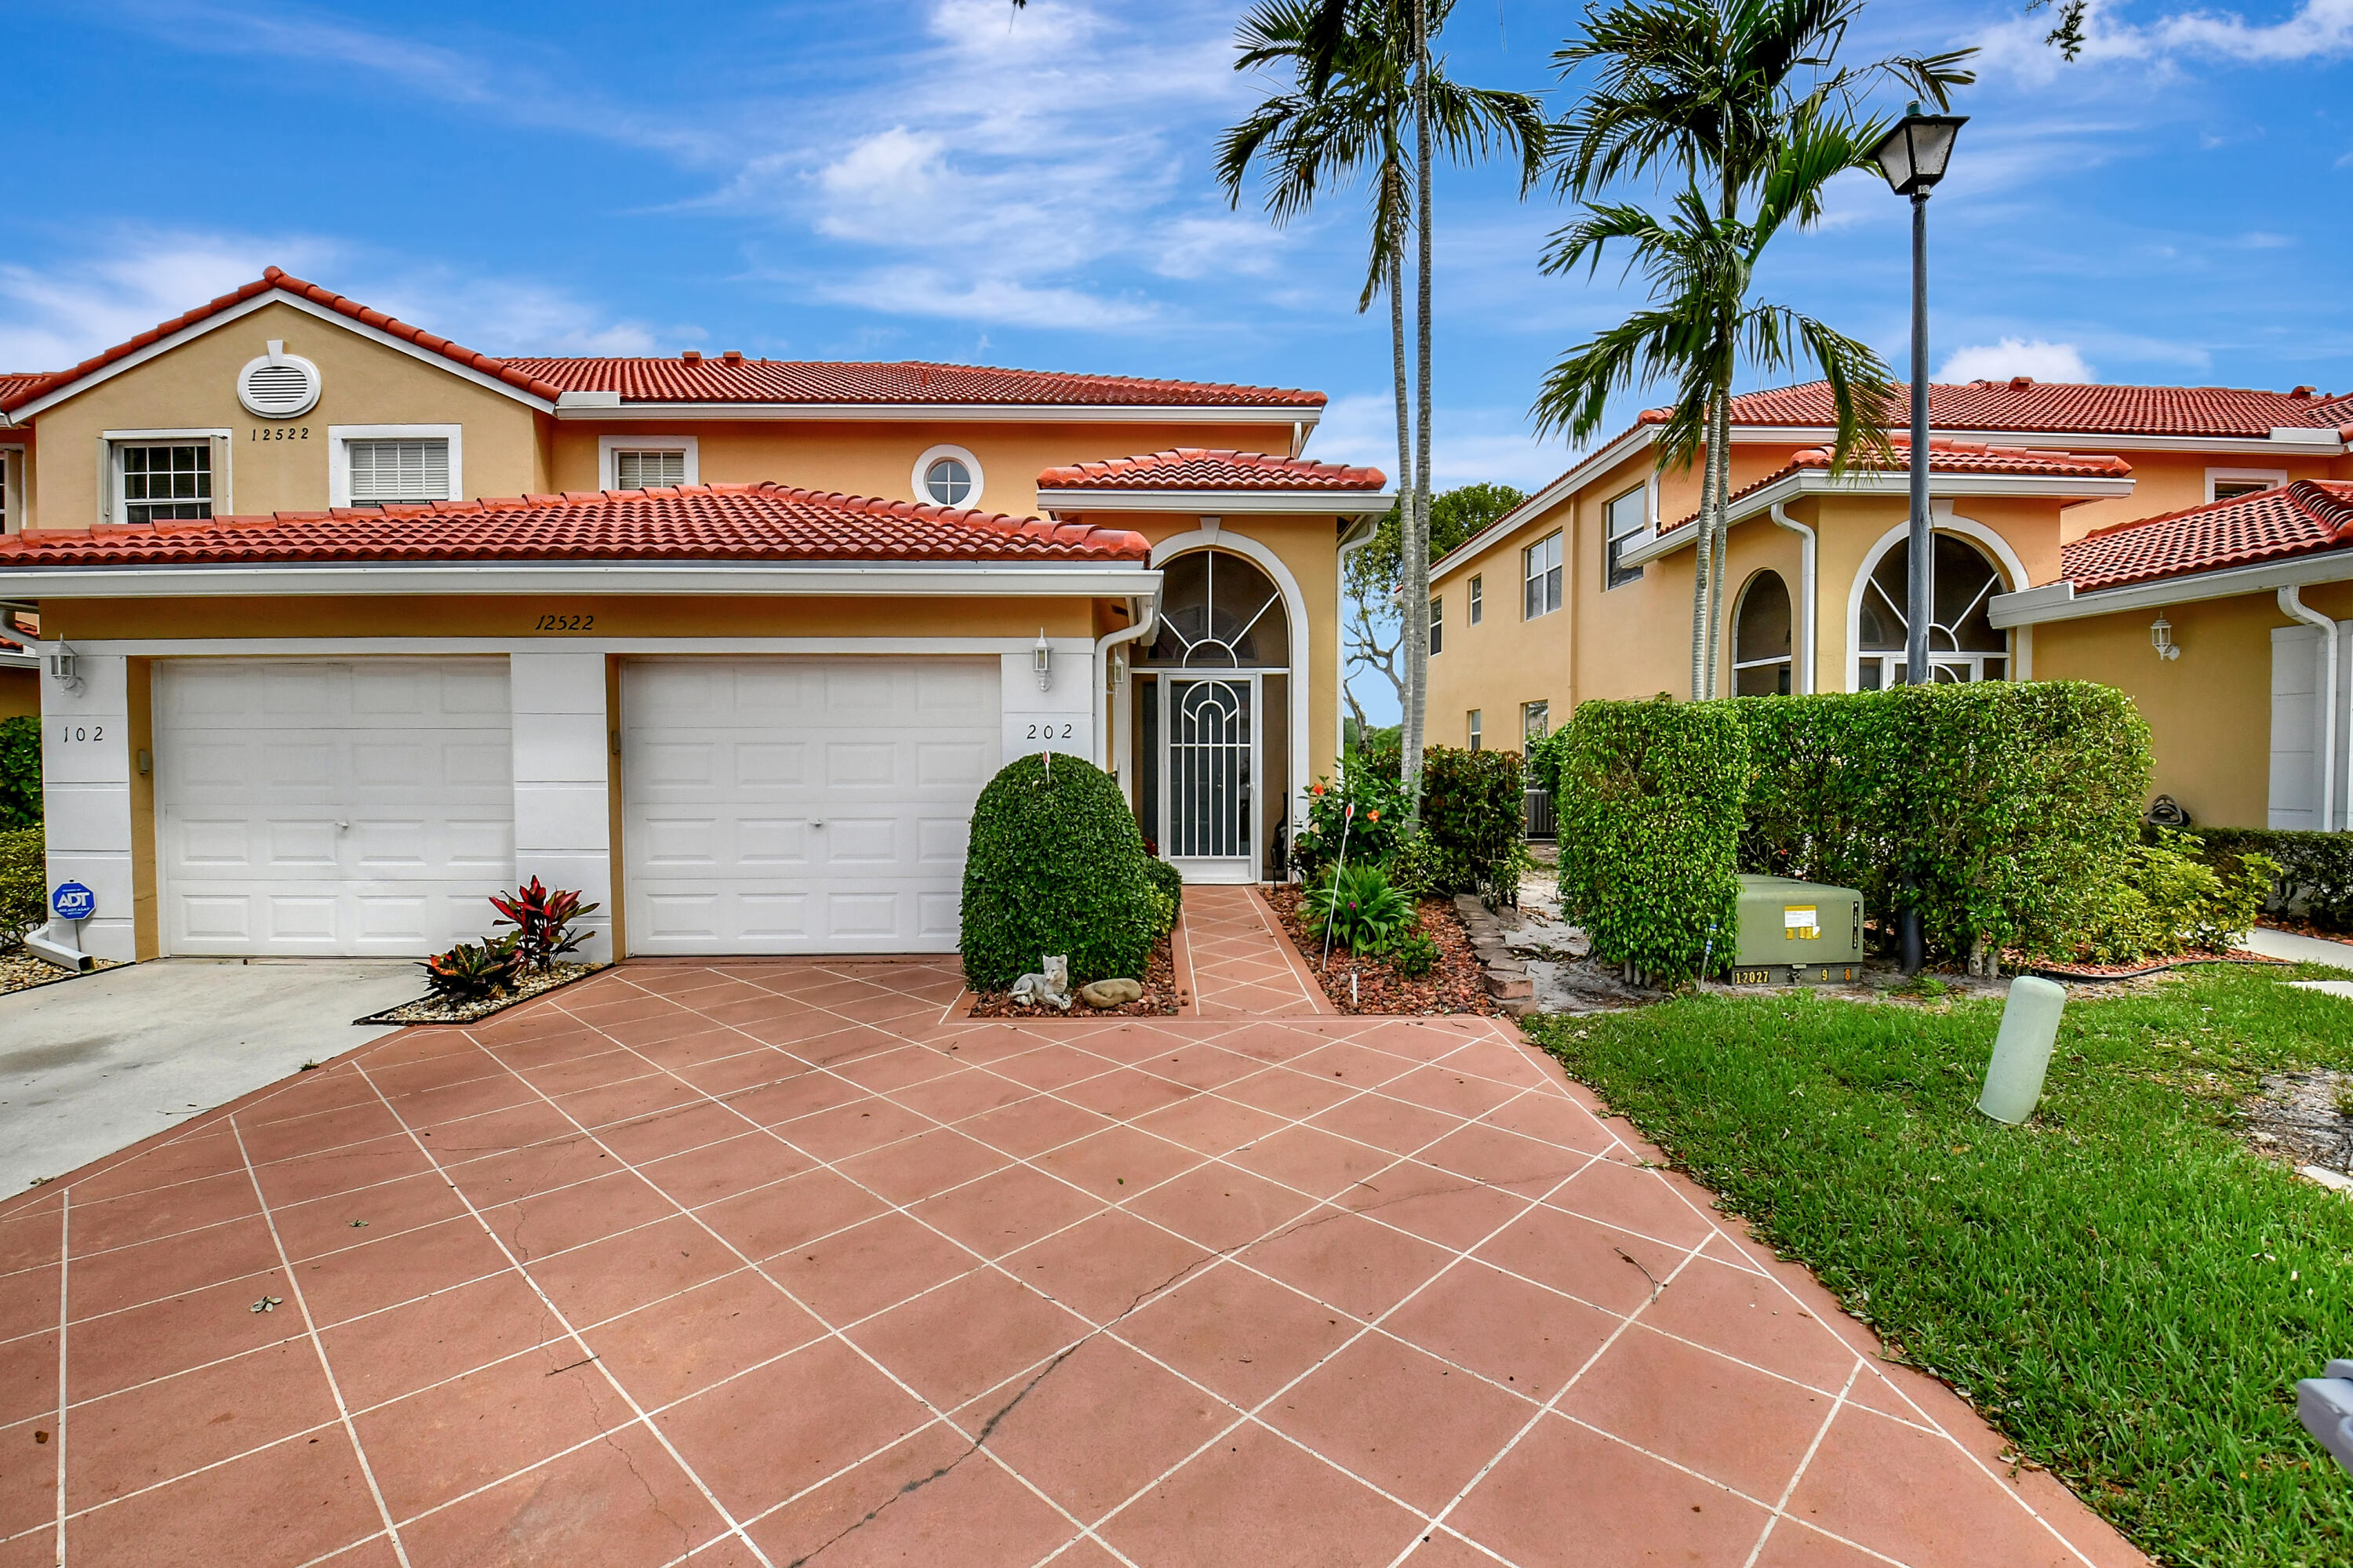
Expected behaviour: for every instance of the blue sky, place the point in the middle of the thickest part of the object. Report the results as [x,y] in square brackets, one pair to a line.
[946,179]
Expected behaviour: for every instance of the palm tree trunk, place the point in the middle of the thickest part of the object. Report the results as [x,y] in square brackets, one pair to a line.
[1404,391]
[1719,459]
[1418,535]
[1703,554]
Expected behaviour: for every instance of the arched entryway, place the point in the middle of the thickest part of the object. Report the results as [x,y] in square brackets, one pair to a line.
[1761,662]
[1212,699]
[1964,644]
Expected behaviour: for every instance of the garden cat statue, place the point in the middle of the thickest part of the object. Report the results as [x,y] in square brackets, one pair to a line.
[1051,989]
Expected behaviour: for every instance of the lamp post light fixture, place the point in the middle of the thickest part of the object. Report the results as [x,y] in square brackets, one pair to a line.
[1913,156]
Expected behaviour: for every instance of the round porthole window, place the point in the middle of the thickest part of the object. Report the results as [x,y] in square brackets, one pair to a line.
[279,384]
[948,476]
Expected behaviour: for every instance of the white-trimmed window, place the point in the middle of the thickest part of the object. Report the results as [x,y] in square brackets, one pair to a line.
[1535,722]
[1436,625]
[643,462]
[1474,729]
[1478,602]
[162,476]
[2230,484]
[12,489]
[380,465]
[1540,575]
[948,476]
[1625,517]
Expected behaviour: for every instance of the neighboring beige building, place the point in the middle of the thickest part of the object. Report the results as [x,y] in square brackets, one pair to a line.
[1585,589]
[349,625]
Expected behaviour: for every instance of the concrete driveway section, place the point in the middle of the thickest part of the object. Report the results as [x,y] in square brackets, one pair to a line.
[98,1063]
[2300,949]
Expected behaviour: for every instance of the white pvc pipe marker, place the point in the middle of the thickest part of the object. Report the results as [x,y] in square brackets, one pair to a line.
[2021,1052]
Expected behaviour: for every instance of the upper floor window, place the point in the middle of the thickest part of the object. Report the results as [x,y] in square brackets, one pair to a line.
[2230,484]
[1536,723]
[1625,517]
[1542,576]
[1478,602]
[645,470]
[165,482]
[389,465]
[644,462]
[1474,729]
[1437,624]
[12,489]
[948,476]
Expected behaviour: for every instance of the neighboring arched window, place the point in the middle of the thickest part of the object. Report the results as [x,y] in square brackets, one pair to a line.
[1219,611]
[1963,643]
[1760,639]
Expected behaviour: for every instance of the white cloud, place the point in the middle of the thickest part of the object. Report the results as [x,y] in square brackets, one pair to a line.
[2315,30]
[2012,356]
[937,292]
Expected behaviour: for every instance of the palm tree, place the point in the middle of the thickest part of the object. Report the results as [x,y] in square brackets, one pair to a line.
[1729,95]
[1360,67]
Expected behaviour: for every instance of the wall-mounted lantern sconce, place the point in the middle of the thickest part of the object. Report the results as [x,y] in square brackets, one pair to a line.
[1042,658]
[61,668]
[2160,637]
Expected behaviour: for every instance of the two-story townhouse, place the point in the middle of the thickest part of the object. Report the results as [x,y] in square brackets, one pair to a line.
[345,625]
[1585,589]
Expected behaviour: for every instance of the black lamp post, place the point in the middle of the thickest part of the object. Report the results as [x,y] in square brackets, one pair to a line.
[1913,156]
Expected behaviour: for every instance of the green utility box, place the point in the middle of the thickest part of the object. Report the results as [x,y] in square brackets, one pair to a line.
[1797,933]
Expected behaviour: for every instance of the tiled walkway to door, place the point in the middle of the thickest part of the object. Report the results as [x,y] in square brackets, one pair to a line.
[1242,967]
[759,1261]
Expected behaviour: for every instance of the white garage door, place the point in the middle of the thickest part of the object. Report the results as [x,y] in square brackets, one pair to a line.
[802,805]
[357,808]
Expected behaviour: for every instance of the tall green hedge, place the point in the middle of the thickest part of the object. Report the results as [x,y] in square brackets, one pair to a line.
[2315,869]
[24,884]
[2001,800]
[1057,865]
[1649,796]
[1470,817]
[20,771]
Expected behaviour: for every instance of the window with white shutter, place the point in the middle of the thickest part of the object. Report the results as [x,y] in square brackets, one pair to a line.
[409,469]
[645,469]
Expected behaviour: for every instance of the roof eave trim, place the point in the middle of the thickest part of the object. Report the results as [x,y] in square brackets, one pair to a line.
[244,308]
[2061,441]
[1545,500]
[981,413]
[1235,503]
[1089,580]
[2060,601]
[1821,482]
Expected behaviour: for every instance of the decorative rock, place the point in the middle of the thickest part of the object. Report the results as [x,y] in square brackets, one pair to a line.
[1111,992]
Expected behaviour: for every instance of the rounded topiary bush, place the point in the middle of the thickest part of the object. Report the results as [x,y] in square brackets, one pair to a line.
[1057,865]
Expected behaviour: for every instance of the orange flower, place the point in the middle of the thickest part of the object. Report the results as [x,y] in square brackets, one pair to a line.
[1372,816]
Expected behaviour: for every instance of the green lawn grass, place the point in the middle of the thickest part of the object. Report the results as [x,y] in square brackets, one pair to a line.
[2119,1285]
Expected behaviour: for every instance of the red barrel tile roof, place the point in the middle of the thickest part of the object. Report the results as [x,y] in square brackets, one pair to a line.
[2068,406]
[2299,519]
[708,379]
[1199,468]
[15,381]
[691,522]
[1958,457]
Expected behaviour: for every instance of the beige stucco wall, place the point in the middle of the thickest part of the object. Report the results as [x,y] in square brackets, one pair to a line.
[20,693]
[878,458]
[362,382]
[2175,482]
[2209,711]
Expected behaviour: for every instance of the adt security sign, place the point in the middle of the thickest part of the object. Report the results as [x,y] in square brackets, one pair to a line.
[72,901]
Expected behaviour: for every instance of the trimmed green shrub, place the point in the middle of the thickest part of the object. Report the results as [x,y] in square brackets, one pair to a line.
[1371,834]
[20,771]
[24,884]
[2008,804]
[1472,804]
[1171,885]
[1415,954]
[2315,875]
[1649,796]
[2160,899]
[1057,865]
[1360,909]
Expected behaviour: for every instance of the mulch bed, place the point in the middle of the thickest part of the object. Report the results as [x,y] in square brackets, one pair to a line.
[439,1010]
[22,971]
[2093,973]
[1159,999]
[1367,984]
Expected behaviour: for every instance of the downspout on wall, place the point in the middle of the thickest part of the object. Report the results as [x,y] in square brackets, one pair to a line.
[1112,747]
[1808,608]
[2292,605]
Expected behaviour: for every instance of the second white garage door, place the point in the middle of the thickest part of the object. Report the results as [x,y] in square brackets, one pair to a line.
[802,805]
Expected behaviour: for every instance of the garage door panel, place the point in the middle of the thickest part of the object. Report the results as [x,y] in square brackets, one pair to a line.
[363,807]
[888,754]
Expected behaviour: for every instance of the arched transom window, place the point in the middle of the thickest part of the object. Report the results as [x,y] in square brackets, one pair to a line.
[1963,643]
[1760,639]
[1219,611]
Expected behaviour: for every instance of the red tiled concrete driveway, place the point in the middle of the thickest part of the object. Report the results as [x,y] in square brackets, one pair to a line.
[761,1262]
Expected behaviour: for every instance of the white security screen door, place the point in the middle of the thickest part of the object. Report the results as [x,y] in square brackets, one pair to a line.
[1211,829]
[802,804]
[363,807]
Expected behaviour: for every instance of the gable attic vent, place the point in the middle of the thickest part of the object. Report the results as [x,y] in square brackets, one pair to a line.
[279,386]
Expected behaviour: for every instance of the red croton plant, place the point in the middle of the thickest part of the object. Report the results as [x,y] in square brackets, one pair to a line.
[542,920]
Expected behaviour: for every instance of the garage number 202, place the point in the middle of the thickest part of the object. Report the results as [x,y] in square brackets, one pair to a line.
[1051,731]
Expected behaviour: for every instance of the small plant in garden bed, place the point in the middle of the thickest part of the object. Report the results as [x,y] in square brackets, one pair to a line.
[1358,908]
[1429,968]
[474,970]
[544,922]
